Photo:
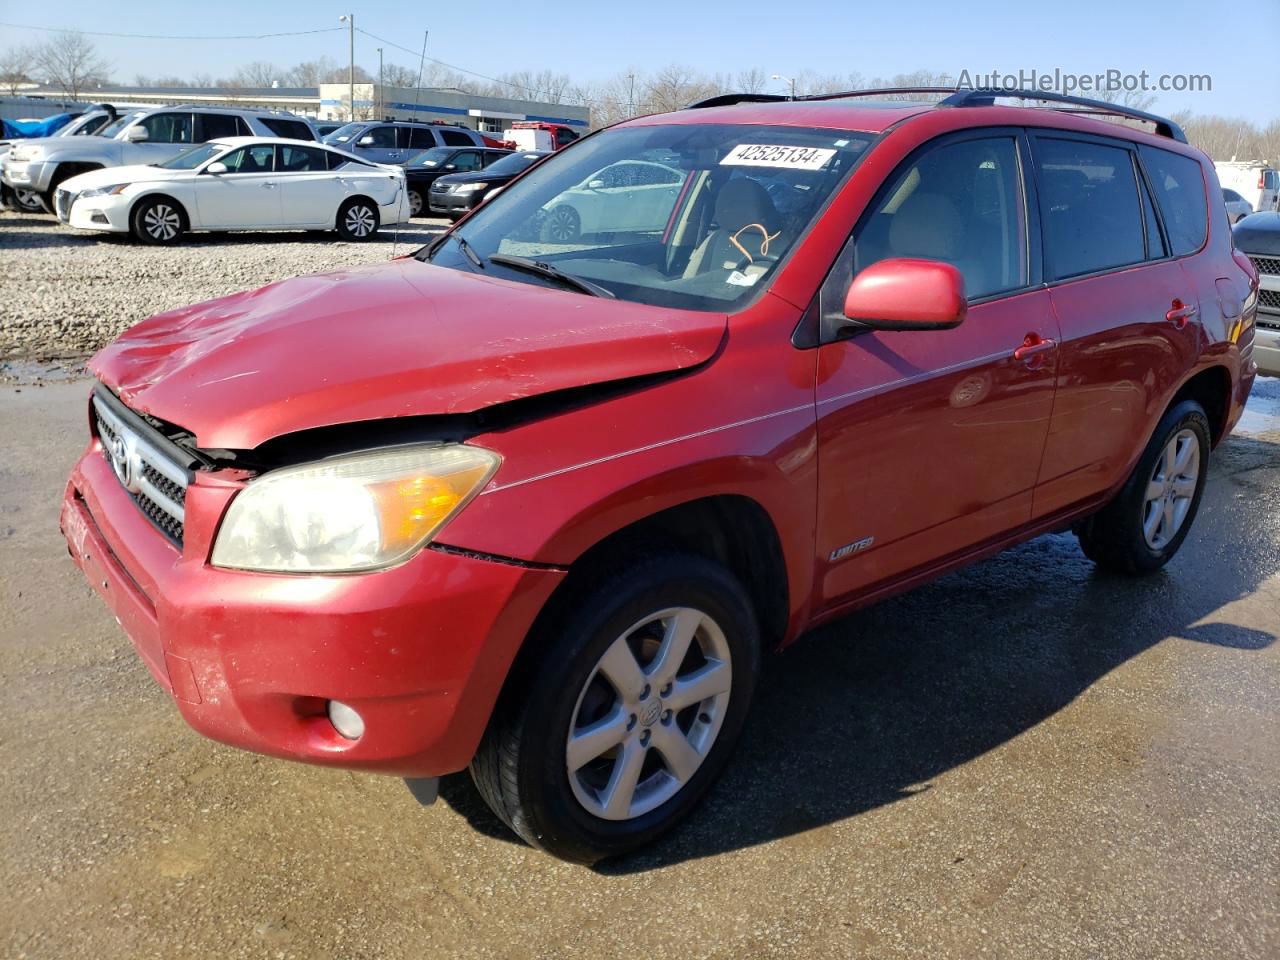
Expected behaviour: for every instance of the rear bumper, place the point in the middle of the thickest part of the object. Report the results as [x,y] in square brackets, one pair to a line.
[420,650]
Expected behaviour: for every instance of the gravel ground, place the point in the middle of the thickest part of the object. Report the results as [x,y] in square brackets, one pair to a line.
[64,293]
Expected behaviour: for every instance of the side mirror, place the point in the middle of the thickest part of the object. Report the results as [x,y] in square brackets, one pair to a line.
[216,167]
[451,166]
[365,142]
[596,185]
[137,134]
[907,294]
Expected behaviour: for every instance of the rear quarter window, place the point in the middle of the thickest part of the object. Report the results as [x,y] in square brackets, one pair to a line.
[1179,186]
[456,138]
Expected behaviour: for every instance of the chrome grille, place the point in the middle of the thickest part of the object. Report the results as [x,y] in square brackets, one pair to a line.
[438,187]
[157,485]
[1266,264]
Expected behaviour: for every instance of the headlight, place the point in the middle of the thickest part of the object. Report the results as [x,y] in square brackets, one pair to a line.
[110,191]
[21,153]
[469,187]
[350,513]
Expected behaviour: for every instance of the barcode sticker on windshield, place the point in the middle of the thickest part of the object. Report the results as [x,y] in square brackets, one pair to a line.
[767,155]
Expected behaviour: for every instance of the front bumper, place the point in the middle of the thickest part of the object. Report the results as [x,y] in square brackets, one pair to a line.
[92,213]
[1266,344]
[420,650]
[27,174]
[456,203]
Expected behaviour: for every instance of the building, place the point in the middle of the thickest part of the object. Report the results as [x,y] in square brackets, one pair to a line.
[331,101]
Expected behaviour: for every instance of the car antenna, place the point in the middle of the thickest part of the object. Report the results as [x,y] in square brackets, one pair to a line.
[417,96]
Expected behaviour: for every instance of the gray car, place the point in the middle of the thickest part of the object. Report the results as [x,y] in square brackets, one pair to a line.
[1258,237]
[138,137]
[397,141]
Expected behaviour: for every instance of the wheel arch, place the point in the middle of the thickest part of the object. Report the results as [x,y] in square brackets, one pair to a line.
[1211,388]
[161,195]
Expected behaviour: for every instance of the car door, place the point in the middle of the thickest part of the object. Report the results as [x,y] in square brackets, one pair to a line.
[246,195]
[381,144]
[930,441]
[309,193]
[1126,311]
[168,134]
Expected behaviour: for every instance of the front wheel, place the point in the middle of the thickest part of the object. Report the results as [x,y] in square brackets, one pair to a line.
[357,220]
[624,710]
[1142,528]
[157,220]
[415,202]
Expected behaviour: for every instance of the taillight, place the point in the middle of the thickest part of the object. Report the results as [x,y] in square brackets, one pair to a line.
[1262,179]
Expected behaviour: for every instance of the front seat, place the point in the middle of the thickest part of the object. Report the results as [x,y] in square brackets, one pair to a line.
[928,226]
[748,226]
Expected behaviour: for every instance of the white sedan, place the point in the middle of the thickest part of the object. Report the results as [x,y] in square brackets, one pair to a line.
[238,183]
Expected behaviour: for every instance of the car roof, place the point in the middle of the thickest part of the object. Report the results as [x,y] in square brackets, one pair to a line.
[287,141]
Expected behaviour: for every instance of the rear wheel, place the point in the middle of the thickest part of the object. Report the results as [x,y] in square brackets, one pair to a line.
[1143,527]
[415,202]
[157,220]
[627,712]
[562,225]
[357,219]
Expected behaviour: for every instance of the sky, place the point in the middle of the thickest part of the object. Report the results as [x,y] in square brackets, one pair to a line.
[592,41]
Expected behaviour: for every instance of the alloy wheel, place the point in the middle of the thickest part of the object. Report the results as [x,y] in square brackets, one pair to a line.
[1171,489]
[649,713]
[562,225]
[161,221]
[360,221]
[415,203]
[27,199]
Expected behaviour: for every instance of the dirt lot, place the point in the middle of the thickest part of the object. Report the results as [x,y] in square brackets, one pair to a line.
[64,292]
[1025,759]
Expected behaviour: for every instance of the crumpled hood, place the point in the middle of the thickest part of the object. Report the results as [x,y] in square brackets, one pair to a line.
[132,174]
[395,339]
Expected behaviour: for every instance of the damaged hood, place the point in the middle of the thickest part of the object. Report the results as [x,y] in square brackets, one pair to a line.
[396,339]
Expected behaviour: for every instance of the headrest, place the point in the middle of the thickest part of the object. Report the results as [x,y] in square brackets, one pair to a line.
[744,201]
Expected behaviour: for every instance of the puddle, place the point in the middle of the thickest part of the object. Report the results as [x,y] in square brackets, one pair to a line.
[31,372]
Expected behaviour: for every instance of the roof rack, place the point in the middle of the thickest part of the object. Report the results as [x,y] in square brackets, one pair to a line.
[965,98]
[987,97]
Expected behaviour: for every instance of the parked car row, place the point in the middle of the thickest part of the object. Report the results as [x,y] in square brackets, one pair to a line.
[1258,237]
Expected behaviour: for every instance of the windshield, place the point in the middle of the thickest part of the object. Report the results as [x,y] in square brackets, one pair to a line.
[348,131]
[111,129]
[190,159]
[83,125]
[512,164]
[696,217]
[432,158]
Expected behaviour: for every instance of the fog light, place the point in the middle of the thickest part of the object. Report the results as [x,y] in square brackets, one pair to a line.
[345,720]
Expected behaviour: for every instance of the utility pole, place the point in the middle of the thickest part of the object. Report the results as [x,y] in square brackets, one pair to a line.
[350,19]
[631,95]
[380,107]
[791,80]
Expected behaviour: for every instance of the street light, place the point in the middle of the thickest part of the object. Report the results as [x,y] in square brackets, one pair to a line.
[790,80]
[350,20]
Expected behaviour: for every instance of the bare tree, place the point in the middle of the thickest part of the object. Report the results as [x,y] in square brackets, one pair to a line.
[259,73]
[751,81]
[395,75]
[70,62]
[16,64]
[310,73]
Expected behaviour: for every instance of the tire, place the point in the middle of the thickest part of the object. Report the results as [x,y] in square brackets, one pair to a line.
[1140,530]
[357,220]
[416,204]
[522,768]
[562,225]
[158,221]
[26,201]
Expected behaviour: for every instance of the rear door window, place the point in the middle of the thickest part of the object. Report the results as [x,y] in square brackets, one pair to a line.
[1179,187]
[292,159]
[421,138]
[283,127]
[962,204]
[218,126]
[456,138]
[1092,217]
[167,127]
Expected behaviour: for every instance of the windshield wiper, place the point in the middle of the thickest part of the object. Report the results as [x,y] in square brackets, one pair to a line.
[429,251]
[541,269]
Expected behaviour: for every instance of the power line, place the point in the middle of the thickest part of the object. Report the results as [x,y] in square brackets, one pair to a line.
[471,73]
[165,36]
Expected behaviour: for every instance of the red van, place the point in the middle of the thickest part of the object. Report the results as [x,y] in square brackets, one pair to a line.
[537,502]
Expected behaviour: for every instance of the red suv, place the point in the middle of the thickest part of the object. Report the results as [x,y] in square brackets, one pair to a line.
[537,501]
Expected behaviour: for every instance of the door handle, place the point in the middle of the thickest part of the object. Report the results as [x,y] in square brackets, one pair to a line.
[268,186]
[1180,314]
[1033,346]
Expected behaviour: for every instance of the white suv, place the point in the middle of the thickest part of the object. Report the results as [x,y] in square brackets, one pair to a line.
[138,137]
